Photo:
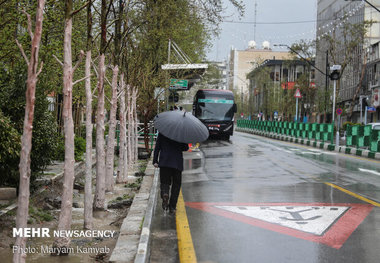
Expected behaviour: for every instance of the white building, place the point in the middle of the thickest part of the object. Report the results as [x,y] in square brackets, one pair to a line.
[241,62]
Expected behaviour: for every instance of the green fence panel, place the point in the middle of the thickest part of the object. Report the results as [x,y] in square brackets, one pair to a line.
[304,134]
[360,142]
[330,128]
[357,130]
[310,135]
[361,131]
[326,136]
[367,130]
[318,135]
[354,130]
[348,140]
[375,135]
[315,127]
[349,130]
[374,146]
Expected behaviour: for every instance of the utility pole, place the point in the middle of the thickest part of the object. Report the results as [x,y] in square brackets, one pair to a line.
[327,80]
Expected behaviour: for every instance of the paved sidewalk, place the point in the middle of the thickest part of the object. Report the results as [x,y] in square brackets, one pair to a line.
[133,244]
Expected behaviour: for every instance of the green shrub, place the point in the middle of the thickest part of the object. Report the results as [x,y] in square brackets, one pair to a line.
[9,152]
[79,150]
[349,123]
[12,105]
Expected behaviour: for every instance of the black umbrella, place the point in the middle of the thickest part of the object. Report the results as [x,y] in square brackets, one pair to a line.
[181,127]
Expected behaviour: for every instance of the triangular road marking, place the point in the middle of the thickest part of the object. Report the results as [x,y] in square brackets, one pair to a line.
[311,219]
[329,224]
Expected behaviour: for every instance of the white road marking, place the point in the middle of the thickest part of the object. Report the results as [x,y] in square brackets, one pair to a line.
[369,171]
[315,153]
[311,219]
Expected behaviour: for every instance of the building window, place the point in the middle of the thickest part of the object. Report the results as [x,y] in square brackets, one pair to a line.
[285,73]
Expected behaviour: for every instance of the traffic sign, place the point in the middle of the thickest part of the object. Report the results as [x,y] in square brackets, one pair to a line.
[178,83]
[371,109]
[298,94]
[329,224]
[339,111]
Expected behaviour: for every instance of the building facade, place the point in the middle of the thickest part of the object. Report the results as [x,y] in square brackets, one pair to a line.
[353,87]
[241,62]
[273,85]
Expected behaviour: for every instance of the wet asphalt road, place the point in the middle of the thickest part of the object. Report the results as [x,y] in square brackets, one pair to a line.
[252,199]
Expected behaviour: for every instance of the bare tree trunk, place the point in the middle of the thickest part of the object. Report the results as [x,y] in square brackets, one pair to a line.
[26,139]
[135,121]
[357,91]
[99,200]
[87,224]
[121,176]
[88,182]
[65,216]
[111,133]
[130,127]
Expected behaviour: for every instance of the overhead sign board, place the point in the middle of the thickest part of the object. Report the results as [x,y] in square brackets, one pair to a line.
[184,66]
[223,101]
[178,83]
[298,94]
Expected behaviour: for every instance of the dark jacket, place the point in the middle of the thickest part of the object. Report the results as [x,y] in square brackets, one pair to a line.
[168,153]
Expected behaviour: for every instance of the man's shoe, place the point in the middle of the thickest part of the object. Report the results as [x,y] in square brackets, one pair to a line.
[165,202]
[172,211]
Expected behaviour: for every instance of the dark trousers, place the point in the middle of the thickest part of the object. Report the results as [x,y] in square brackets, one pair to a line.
[170,177]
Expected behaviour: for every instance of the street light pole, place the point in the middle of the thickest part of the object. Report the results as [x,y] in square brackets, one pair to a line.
[333,110]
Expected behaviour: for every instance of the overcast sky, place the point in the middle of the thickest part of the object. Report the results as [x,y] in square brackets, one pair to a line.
[277,21]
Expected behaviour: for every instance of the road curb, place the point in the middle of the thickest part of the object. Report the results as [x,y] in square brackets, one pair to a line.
[317,144]
[133,242]
[143,249]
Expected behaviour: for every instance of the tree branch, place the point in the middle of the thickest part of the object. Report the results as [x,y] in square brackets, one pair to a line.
[121,93]
[79,61]
[79,9]
[95,69]
[29,23]
[79,80]
[108,99]
[60,63]
[39,71]
[22,52]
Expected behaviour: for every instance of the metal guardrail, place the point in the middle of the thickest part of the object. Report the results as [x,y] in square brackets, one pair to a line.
[357,136]
[363,136]
[318,131]
[140,131]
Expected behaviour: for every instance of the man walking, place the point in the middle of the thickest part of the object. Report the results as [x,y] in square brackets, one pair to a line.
[168,156]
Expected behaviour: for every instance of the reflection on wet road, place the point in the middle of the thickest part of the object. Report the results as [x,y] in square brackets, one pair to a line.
[248,200]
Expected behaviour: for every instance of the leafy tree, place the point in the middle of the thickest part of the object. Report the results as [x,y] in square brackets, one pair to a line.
[12,105]
[9,152]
